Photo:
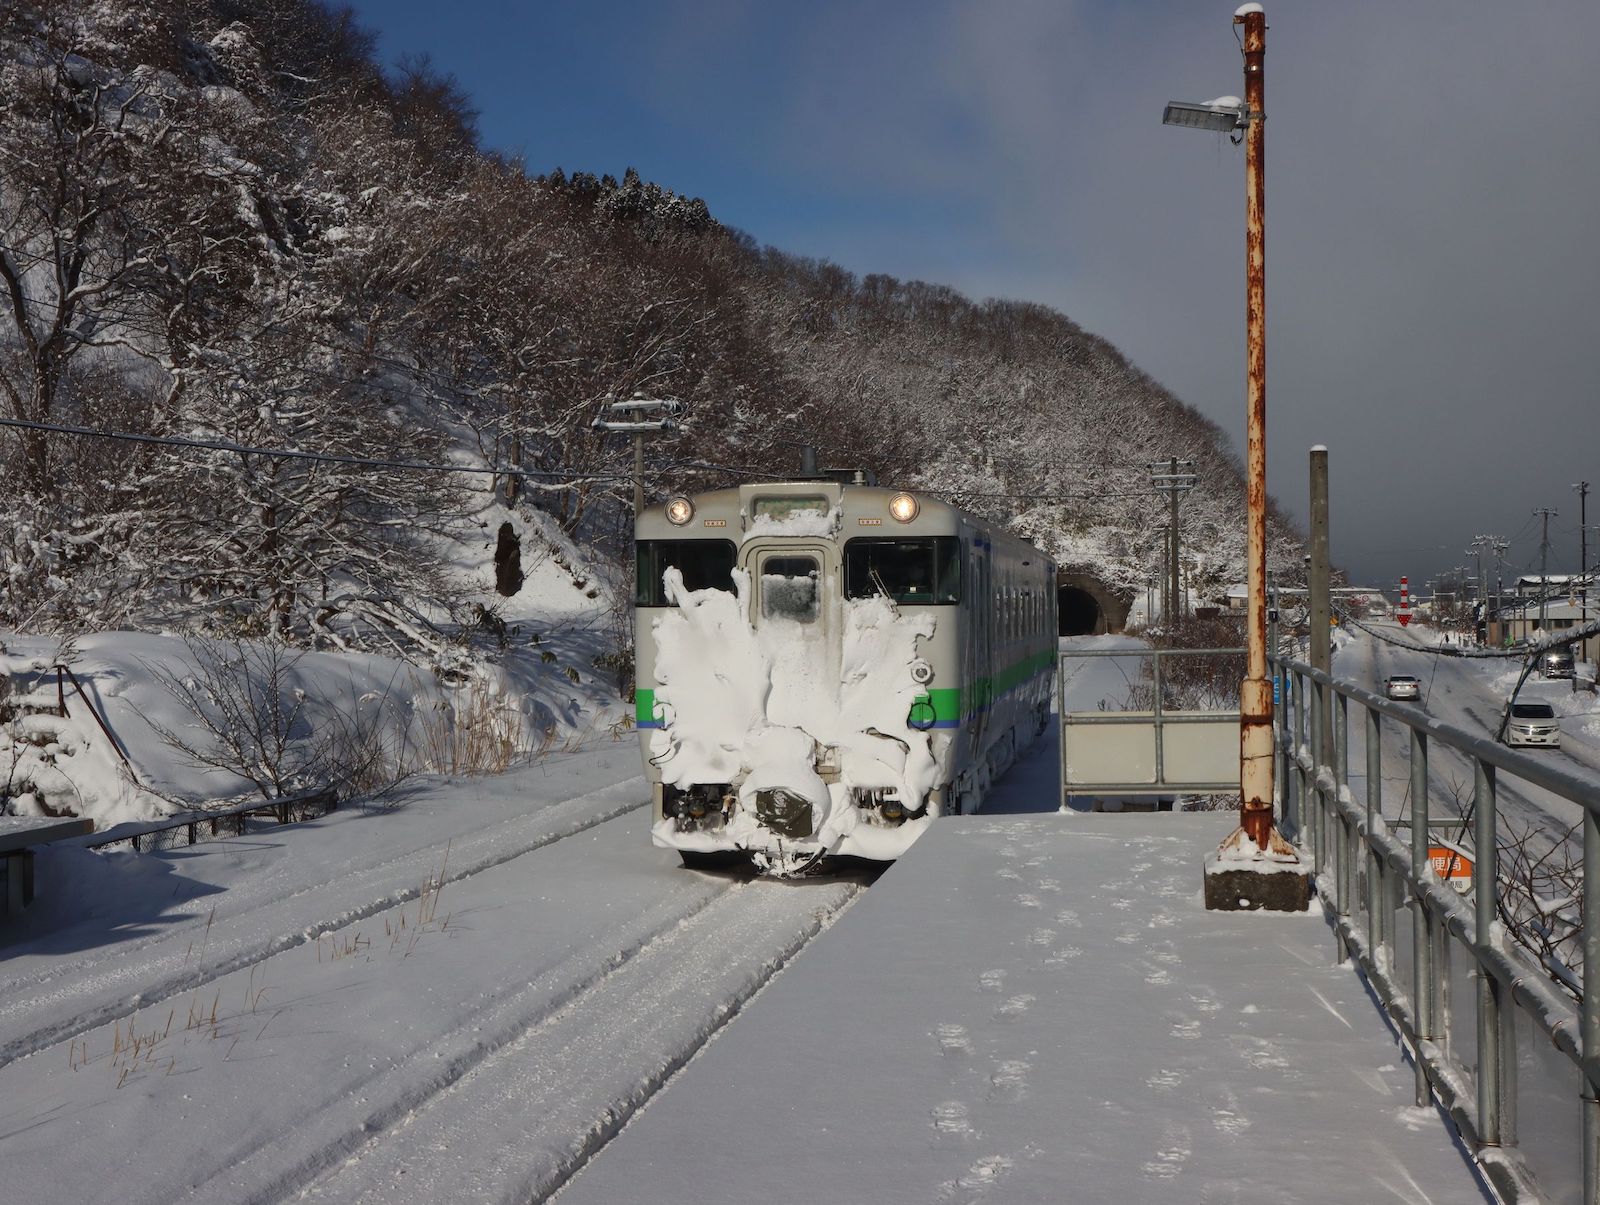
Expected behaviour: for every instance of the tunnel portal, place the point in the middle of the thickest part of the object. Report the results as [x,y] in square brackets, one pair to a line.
[1085,606]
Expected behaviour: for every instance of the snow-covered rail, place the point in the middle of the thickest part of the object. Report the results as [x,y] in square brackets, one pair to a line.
[476,1043]
[202,941]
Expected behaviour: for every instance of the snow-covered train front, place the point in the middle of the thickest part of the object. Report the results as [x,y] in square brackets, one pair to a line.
[824,666]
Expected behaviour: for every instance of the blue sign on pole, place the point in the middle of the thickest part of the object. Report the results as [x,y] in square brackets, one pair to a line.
[1277,691]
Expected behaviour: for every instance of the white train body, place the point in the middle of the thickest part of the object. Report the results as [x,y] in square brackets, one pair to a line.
[823,668]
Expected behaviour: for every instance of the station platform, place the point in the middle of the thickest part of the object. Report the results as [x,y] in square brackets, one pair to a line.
[1032,1008]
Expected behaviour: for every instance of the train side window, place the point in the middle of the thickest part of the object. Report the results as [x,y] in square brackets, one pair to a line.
[789,588]
[925,571]
[704,564]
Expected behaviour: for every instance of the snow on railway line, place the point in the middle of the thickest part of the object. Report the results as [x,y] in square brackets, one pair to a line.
[314,880]
[589,967]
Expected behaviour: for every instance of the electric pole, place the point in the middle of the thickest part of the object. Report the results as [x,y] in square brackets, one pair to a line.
[1166,477]
[631,419]
[1583,550]
[1544,558]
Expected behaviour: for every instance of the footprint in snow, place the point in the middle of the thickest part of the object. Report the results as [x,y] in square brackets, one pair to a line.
[978,1179]
[1041,937]
[1068,917]
[953,1039]
[1014,1007]
[1009,1080]
[1049,885]
[951,1118]
[1064,955]
[1028,901]
[1187,1030]
[1157,977]
[1005,872]
[992,981]
[1173,1153]
[1225,1114]
[1166,1079]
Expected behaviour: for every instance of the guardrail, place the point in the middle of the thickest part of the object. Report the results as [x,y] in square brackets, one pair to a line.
[1162,751]
[195,827]
[1368,878]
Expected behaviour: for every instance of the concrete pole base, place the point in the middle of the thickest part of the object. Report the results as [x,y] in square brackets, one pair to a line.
[1242,877]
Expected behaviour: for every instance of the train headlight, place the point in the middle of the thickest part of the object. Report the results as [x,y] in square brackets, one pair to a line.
[679,511]
[921,672]
[903,507]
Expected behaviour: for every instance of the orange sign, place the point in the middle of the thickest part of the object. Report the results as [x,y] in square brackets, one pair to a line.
[1451,865]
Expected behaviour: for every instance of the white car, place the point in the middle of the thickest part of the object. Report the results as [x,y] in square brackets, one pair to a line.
[1402,686]
[1533,724]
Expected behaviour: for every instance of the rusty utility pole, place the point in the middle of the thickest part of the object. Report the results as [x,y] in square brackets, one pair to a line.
[1231,879]
[1255,697]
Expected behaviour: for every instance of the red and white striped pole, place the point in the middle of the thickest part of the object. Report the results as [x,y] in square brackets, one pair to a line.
[1405,603]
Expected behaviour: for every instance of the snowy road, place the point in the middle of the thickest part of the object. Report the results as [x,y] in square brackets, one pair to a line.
[1467,694]
[338,1028]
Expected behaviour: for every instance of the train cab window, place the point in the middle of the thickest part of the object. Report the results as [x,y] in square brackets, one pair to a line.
[924,571]
[789,588]
[704,564]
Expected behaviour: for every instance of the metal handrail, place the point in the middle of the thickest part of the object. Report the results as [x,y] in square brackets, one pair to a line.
[1323,814]
[1157,716]
[282,809]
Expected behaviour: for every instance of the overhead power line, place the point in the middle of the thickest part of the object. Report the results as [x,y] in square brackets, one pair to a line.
[218,445]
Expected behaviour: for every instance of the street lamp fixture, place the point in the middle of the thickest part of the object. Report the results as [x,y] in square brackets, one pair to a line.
[1225,115]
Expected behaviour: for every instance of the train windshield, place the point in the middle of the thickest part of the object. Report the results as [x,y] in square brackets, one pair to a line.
[925,571]
[789,588]
[704,564]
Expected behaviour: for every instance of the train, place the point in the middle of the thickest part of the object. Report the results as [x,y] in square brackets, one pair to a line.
[824,666]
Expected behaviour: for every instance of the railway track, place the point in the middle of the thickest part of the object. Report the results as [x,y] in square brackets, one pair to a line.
[483,1042]
[39,1010]
[530,1092]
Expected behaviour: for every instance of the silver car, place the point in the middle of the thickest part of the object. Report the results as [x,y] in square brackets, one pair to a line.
[1402,686]
[1533,724]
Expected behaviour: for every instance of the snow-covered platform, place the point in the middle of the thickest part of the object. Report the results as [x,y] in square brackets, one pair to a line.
[1098,1036]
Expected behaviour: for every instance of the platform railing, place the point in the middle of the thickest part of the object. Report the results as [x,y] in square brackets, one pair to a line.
[1367,877]
[1159,751]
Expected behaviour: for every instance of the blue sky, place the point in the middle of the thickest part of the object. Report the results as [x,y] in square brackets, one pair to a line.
[1432,257]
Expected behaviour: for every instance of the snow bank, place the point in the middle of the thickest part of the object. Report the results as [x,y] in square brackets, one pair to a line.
[159,693]
[758,706]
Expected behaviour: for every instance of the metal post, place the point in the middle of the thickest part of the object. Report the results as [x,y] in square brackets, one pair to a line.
[1321,600]
[1061,723]
[1255,696]
[1422,989]
[1376,903]
[1341,752]
[1496,1055]
[1590,1016]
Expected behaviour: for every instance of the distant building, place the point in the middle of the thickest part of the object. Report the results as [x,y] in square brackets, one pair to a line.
[1519,621]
